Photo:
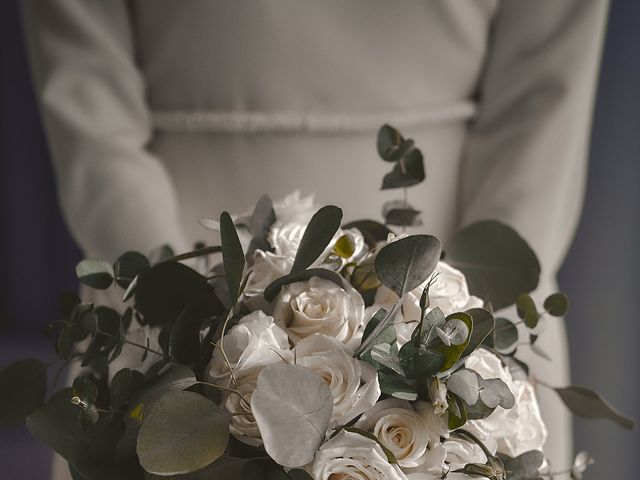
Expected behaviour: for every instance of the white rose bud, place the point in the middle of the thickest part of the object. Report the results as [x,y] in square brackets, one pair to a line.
[321,306]
[438,396]
[350,455]
[252,344]
[353,384]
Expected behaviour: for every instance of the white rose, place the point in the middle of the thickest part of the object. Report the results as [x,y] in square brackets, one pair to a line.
[449,291]
[243,425]
[294,209]
[461,451]
[285,238]
[353,384]
[413,436]
[266,268]
[511,431]
[350,456]
[320,306]
[252,344]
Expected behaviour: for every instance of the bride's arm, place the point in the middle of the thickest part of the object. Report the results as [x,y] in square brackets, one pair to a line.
[115,195]
[525,161]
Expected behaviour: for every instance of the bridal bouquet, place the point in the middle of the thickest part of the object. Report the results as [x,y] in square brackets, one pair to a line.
[315,349]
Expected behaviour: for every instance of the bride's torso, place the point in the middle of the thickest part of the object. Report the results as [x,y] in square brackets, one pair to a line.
[256,97]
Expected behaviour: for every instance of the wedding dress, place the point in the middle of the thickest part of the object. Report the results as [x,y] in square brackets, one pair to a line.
[162,112]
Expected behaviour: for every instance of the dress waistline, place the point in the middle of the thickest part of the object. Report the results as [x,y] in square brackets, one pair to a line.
[291,122]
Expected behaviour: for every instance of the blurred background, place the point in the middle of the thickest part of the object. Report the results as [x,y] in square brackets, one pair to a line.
[601,273]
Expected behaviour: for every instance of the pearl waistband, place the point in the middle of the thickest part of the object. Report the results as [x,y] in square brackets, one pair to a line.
[285,122]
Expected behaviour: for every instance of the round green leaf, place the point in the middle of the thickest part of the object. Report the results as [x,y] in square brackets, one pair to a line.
[557,304]
[527,310]
[505,335]
[95,273]
[128,266]
[498,263]
[406,263]
[292,406]
[165,290]
[389,139]
[483,325]
[85,388]
[184,432]
[23,385]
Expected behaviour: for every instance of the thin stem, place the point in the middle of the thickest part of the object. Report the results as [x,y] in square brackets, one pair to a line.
[139,345]
[221,347]
[196,253]
[226,389]
[405,201]
[477,441]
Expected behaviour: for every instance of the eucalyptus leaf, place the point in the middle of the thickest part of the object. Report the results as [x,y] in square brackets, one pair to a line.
[232,256]
[453,352]
[464,383]
[372,231]
[56,425]
[88,417]
[263,218]
[387,355]
[182,433]
[364,278]
[319,232]
[498,263]
[527,311]
[388,335]
[292,406]
[389,142]
[505,335]
[85,388]
[165,290]
[177,378]
[105,436]
[184,342]
[95,273]
[457,413]
[587,403]
[123,384]
[523,467]
[23,385]
[128,266]
[395,386]
[483,325]
[557,304]
[405,217]
[494,392]
[408,171]
[272,290]
[404,264]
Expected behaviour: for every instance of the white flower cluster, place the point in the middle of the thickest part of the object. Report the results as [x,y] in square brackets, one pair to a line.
[318,324]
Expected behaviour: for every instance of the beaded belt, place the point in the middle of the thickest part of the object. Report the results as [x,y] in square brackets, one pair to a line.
[286,122]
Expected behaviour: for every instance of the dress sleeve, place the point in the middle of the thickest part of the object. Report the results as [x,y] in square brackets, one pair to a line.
[115,195]
[526,158]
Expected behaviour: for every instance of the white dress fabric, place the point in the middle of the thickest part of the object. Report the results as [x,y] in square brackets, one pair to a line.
[161,112]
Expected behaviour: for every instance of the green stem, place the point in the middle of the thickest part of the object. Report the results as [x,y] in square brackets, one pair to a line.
[143,347]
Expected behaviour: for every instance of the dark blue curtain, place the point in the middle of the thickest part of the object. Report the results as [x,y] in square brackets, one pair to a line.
[601,274]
